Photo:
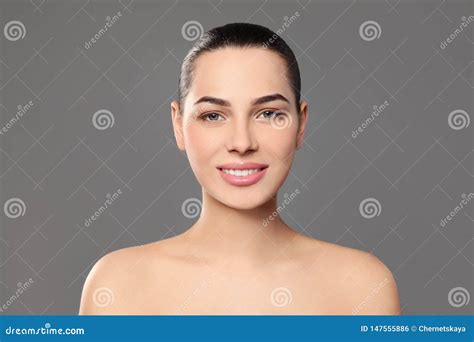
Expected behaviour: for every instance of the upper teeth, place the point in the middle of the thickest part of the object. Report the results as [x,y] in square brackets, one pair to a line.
[240,173]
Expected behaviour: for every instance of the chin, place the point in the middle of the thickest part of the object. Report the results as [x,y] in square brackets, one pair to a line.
[241,201]
[243,205]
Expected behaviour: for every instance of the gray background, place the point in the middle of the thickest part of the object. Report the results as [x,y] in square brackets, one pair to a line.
[62,167]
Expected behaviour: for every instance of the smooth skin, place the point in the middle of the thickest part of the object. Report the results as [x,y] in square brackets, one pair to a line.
[229,262]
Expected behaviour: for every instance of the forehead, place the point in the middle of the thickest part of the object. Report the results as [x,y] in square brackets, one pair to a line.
[238,73]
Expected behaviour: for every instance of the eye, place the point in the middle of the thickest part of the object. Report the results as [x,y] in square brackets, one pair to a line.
[211,116]
[269,113]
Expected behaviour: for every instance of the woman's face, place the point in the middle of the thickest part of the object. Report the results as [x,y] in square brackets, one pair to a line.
[240,109]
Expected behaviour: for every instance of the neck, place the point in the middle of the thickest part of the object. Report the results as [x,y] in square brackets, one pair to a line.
[230,233]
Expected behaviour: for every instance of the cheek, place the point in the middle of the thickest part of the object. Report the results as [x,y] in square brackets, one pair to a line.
[279,144]
[201,145]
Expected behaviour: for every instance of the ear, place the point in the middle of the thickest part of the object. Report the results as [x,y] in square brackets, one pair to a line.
[177,119]
[303,119]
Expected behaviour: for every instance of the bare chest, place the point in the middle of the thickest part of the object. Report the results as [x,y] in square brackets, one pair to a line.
[228,293]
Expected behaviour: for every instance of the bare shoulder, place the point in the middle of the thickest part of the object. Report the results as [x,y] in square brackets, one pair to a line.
[375,290]
[364,284]
[107,281]
[115,278]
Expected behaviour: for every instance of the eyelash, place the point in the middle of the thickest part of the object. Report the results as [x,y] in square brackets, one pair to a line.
[203,117]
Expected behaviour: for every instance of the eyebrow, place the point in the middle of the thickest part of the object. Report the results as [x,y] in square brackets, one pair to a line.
[257,101]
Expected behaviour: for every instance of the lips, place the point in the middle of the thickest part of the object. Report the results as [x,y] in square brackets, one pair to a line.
[242,174]
[242,166]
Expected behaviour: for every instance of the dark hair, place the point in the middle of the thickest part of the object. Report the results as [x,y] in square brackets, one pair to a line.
[240,35]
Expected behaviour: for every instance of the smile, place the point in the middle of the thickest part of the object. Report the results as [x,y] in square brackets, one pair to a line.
[242,177]
[241,173]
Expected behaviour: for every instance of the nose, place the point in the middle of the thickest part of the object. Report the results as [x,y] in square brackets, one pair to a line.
[241,139]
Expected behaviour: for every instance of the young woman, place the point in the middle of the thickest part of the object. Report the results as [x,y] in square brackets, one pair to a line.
[239,120]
